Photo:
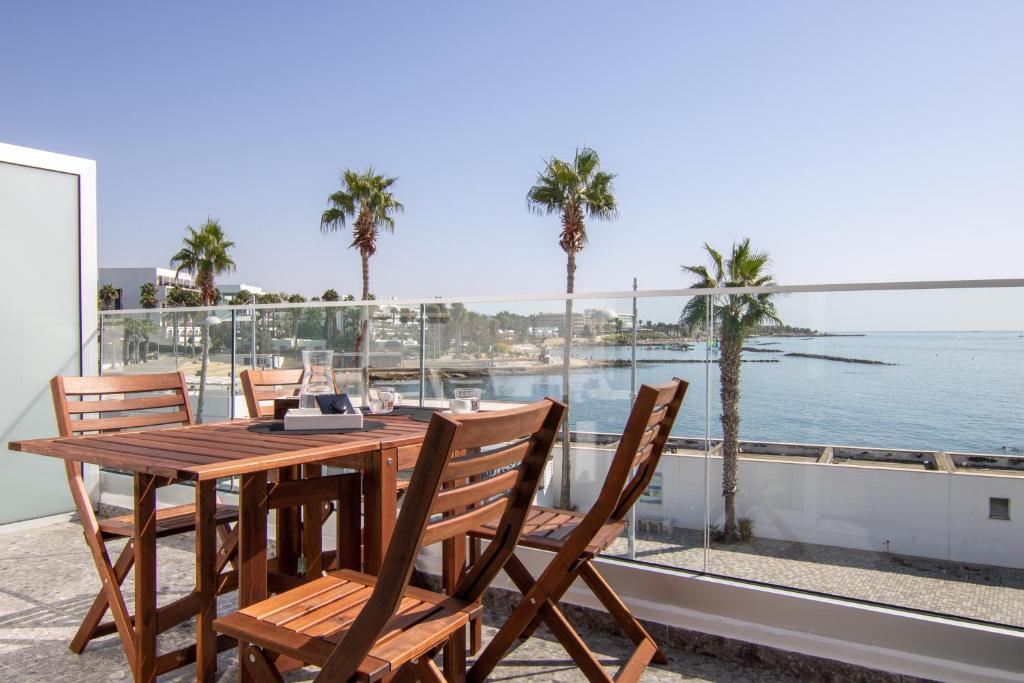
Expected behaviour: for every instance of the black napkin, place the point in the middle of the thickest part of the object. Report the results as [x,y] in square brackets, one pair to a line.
[335,404]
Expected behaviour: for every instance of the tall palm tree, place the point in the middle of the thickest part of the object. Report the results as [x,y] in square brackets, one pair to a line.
[204,255]
[736,316]
[575,190]
[367,200]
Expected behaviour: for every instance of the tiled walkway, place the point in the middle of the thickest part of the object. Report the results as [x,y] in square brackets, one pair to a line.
[49,581]
[994,594]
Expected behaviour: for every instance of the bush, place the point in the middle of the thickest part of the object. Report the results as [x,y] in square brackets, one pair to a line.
[745,529]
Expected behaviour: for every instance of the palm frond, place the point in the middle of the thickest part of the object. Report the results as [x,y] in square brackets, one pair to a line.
[736,315]
[365,198]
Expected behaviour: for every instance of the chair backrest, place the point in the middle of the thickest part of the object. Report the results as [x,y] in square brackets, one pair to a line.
[163,401]
[643,441]
[261,387]
[472,469]
[647,430]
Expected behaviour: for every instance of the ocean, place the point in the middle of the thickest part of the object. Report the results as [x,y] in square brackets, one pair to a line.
[952,391]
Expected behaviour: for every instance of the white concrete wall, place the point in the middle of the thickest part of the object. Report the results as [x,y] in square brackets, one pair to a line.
[922,513]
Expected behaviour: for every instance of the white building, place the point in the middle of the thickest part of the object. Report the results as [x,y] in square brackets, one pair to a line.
[596,320]
[128,282]
[229,291]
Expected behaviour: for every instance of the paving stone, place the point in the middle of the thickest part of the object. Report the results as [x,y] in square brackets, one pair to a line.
[40,609]
[985,593]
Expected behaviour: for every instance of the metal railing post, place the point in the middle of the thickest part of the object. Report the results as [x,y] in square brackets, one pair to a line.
[423,351]
[175,332]
[252,358]
[631,528]
[709,324]
[231,406]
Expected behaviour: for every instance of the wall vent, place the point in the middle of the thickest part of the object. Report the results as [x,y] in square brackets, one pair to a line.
[999,508]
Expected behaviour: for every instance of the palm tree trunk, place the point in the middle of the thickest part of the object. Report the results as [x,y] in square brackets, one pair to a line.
[203,368]
[565,494]
[364,325]
[731,348]
[366,296]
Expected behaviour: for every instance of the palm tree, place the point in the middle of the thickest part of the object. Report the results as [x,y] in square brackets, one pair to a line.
[736,316]
[574,190]
[204,255]
[329,295]
[367,200]
[108,296]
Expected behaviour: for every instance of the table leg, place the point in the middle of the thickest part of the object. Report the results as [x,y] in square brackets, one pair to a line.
[380,496]
[452,563]
[288,548]
[312,529]
[145,578]
[252,547]
[206,580]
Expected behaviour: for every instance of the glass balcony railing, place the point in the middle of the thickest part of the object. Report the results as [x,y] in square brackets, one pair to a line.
[880,450]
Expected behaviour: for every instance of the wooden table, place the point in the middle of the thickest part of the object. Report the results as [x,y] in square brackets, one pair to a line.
[204,453]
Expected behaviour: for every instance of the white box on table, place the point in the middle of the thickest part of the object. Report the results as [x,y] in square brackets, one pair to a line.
[311,418]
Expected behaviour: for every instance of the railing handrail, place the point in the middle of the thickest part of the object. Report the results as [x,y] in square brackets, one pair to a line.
[623,294]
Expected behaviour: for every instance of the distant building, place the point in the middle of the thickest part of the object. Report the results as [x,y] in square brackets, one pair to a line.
[596,320]
[229,291]
[550,324]
[128,282]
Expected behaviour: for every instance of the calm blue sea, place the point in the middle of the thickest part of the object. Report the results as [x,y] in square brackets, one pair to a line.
[954,391]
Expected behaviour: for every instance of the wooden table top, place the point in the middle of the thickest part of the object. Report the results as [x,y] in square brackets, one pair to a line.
[222,449]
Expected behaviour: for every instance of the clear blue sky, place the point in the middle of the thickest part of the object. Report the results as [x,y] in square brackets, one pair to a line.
[855,141]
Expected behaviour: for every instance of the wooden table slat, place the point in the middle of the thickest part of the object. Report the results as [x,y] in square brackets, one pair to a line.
[225,449]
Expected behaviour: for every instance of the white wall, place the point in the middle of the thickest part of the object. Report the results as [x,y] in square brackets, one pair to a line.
[48,222]
[128,280]
[932,514]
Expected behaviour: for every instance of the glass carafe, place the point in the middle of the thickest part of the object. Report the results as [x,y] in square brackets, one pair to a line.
[316,376]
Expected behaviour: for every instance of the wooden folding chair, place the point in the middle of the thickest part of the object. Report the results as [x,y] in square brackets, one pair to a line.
[261,387]
[360,627]
[576,539]
[164,402]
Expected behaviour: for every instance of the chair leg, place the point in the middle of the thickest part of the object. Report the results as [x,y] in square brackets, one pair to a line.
[98,549]
[548,611]
[428,672]
[633,629]
[555,596]
[476,624]
[93,618]
[259,665]
[534,603]
[228,536]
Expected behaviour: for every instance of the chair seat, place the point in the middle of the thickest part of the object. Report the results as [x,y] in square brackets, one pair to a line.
[308,621]
[169,521]
[547,529]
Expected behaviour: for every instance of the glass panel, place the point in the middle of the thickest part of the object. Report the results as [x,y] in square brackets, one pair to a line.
[871,446]
[668,521]
[874,463]
[39,212]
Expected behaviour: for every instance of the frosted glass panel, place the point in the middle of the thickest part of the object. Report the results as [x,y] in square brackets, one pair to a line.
[40,310]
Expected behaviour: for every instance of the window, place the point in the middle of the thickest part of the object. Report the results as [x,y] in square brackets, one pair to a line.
[999,508]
